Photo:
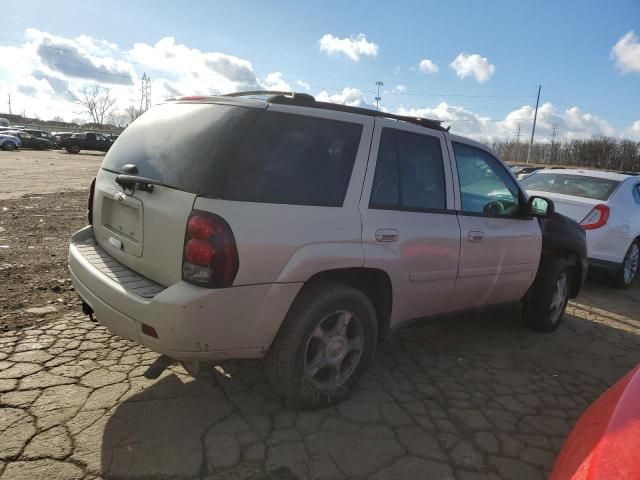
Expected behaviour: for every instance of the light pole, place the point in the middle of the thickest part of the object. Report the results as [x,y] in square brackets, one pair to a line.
[378,98]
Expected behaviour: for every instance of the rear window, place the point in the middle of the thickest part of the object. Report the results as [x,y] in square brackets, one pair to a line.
[294,159]
[576,185]
[175,143]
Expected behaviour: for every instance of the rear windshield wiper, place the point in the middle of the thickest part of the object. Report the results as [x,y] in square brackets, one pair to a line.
[133,182]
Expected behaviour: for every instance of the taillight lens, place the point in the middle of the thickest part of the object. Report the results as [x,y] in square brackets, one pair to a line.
[92,189]
[210,256]
[596,218]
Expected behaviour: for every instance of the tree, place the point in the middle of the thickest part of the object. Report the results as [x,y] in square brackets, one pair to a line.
[97,102]
[131,113]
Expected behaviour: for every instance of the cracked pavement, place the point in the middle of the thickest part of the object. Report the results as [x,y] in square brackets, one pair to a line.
[466,398]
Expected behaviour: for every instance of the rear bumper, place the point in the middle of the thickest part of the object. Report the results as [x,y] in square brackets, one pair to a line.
[192,323]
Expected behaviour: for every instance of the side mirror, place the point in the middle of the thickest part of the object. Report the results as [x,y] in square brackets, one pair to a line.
[541,207]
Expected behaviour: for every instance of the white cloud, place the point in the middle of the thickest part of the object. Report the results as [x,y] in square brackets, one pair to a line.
[304,85]
[348,96]
[633,131]
[399,89]
[465,65]
[571,123]
[626,53]
[427,66]
[352,47]
[274,81]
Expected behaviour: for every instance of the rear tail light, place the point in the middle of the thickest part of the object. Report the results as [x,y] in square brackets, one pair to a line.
[596,218]
[210,256]
[92,189]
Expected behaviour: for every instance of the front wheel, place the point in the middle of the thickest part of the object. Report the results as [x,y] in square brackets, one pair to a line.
[8,145]
[41,146]
[544,308]
[73,149]
[324,346]
[628,271]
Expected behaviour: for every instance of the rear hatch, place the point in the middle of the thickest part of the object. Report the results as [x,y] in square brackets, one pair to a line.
[174,146]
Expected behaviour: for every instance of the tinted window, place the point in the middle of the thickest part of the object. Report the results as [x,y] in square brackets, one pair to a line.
[636,194]
[175,143]
[485,186]
[567,184]
[409,172]
[294,159]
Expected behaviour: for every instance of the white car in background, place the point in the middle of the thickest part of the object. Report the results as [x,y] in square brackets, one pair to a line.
[607,205]
[9,142]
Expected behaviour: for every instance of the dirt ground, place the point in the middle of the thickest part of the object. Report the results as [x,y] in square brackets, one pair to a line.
[42,202]
[34,239]
[38,172]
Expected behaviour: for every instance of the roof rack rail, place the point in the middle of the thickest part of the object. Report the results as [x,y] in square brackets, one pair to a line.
[304,99]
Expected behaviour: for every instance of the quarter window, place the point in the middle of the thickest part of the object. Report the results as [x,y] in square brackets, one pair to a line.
[636,193]
[294,159]
[409,173]
[485,186]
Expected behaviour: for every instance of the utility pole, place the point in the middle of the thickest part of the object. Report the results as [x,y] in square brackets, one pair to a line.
[10,113]
[518,129]
[378,98]
[554,133]
[533,130]
[145,96]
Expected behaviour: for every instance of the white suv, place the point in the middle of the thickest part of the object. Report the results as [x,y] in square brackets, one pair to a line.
[304,232]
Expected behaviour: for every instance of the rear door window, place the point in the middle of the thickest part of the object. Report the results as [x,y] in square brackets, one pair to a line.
[409,173]
[294,159]
[176,143]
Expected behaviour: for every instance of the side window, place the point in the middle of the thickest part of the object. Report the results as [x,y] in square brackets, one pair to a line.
[294,159]
[636,193]
[409,173]
[485,186]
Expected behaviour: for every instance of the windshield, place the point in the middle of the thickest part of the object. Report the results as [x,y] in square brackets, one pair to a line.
[576,185]
[175,143]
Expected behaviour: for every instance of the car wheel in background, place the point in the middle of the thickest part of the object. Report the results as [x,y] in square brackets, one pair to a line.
[628,271]
[73,149]
[544,307]
[41,146]
[9,145]
[324,345]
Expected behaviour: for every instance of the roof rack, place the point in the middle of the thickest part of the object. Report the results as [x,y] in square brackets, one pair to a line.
[306,100]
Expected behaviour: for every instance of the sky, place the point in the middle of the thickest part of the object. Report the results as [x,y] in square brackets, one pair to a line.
[476,65]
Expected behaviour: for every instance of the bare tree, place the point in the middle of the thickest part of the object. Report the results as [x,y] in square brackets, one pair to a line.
[131,113]
[97,102]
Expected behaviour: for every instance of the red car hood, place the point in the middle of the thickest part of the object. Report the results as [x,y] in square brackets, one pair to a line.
[605,442]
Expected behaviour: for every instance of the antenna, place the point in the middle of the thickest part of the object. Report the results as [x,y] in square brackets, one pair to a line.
[378,98]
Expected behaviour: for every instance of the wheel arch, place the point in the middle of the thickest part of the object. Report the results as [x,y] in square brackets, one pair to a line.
[373,282]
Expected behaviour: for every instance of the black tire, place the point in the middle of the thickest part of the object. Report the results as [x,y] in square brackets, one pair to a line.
[621,278]
[73,149]
[545,305]
[9,145]
[287,361]
[41,146]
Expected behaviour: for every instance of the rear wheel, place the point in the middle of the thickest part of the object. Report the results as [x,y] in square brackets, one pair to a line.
[41,146]
[73,149]
[544,308]
[324,346]
[8,145]
[628,271]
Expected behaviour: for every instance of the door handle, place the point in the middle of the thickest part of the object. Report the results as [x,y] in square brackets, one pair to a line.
[475,236]
[387,235]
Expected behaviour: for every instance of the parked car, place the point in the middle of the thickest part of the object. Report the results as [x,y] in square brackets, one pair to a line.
[29,141]
[607,205]
[9,142]
[4,122]
[303,232]
[605,441]
[59,137]
[41,134]
[86,141]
